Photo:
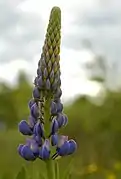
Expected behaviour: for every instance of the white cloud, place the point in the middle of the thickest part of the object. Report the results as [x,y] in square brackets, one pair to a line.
[9,71]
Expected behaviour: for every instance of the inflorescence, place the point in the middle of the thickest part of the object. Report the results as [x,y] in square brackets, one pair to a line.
[46,109]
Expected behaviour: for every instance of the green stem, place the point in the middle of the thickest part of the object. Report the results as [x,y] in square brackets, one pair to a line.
[57,169]
[50,166]
[47,117]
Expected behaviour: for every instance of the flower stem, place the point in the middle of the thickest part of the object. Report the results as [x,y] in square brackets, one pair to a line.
[56,169]
[50,166]
[47,116]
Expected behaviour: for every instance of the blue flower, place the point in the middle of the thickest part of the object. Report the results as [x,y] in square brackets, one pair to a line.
[31,102]
[44,152]
[32,121]
[33,145]
[19,149]
[46,109]
[40,82]
[53,108]
[59,106]
[54,126]
[62,119]
[26,152]
[58,94]
[72,147]
[24,128]
[38,139]
[36,93]
[39,73]
[63,146]
[38,130]
[63,150]
[54,139]
[34,111]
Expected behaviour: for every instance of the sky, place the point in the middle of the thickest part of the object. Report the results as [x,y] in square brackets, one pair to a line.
[22,30]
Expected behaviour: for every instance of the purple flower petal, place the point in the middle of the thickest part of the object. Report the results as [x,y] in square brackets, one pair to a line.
[19,149]
[40,82]
[33,145]
[38,139]
[39,73]
[34,111]
[61,140]
[48,84]
[53,108]
[62,119]
[36,93]
[63,150]
[59,107]
[54,126]
[44,152]
[24,128]
[72,147]
[58,93]
[32,121]
[27,153]
[38,130]
[31,102]
[54,139]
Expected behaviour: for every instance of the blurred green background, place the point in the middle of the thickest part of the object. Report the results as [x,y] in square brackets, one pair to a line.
[96,128]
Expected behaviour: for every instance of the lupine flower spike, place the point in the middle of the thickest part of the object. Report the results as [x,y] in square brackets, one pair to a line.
[46,109]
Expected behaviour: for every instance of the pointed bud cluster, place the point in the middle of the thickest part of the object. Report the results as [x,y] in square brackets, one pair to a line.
[47,86]
[48,72]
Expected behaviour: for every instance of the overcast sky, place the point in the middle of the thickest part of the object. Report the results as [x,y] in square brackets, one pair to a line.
[22,30]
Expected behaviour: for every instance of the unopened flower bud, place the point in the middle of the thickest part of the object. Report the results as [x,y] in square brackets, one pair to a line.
[36,93]
[53,108]
[31,102]
[40,82]
[48,84]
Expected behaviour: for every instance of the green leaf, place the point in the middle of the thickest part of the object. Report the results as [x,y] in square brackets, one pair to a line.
[21,174]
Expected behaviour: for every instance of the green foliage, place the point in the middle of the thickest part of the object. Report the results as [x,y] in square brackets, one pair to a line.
[13,101]
[97,130]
